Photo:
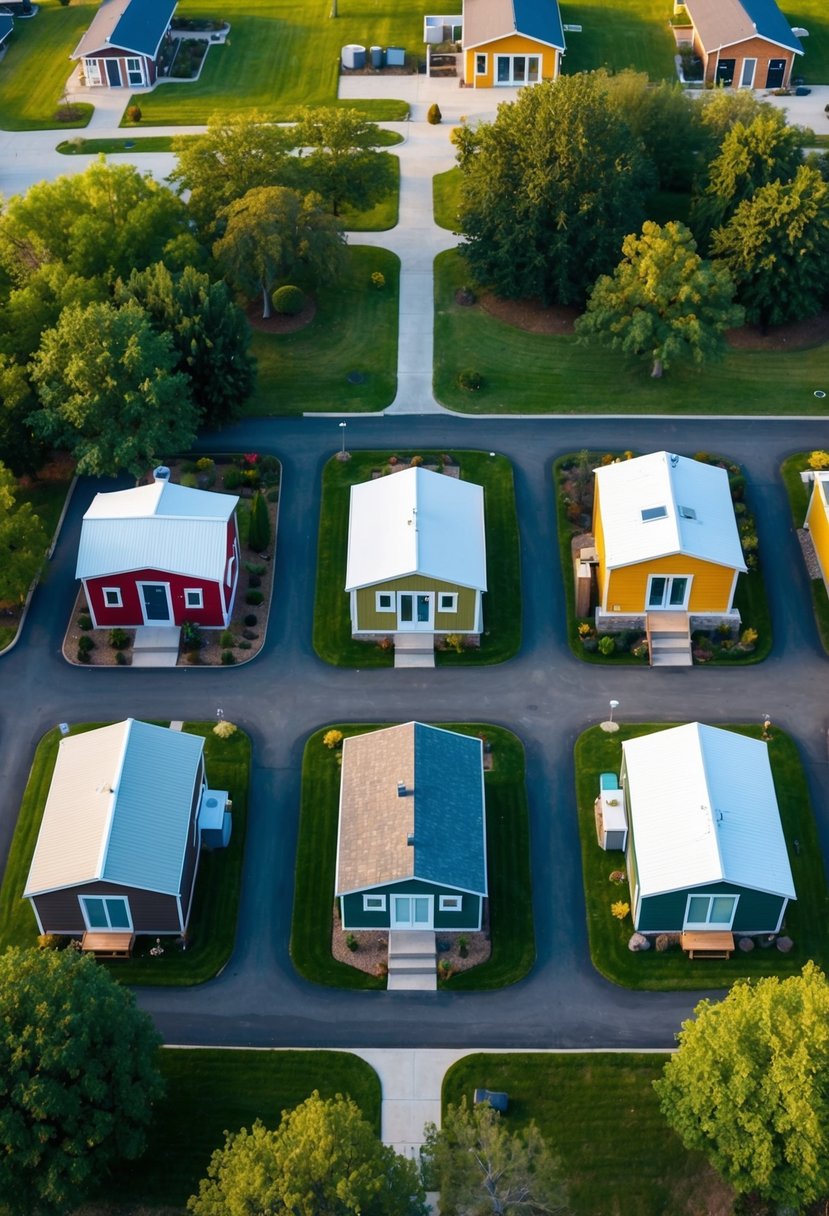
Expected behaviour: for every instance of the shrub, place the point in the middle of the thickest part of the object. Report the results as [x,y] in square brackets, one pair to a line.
[471,380]
[748,638]
[243,646]
[703,457]
[351,942]
[455,642]
[463,946]
[83,655]
[85,643]
[288,301]
[620,909]
[254,568]
[332,738]
[378,280]
[228,657]
[254,580]
[819,460]
[590,645]
[118,639]
[269,464]
[433,114]
[251,619]
[205,464]
[120,658]
[133,113]
[84,621]
[259,534]
[190,480]
[663,943]
[51,941]
[640,650]
[191,638]
[227,639]
[254,597]
[607,645]
[224,729]
[273,495]
[416,462]
[188,466]
[233,479]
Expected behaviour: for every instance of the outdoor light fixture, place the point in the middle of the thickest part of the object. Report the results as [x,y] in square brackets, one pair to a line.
[610,725]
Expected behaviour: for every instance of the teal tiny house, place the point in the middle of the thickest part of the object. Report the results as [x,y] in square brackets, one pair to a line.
[706,849]
[411,846]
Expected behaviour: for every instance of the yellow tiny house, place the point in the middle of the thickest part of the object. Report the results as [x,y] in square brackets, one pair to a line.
[510,43]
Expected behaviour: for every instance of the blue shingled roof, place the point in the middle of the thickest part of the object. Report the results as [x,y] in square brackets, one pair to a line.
[450,847]
[539,19]
[771,23]
[142,25]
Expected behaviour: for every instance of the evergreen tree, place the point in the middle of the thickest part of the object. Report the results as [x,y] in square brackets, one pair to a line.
[259,535]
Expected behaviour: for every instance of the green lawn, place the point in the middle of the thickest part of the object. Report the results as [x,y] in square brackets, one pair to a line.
[47,499]
[501,639]
[36,66]
[799,494]
[601,1116]
[597,752]
[79,146]
[383,215]
[542,374]
[354,331]
[213,920]
[280,56]
[210,1091]
[446,198]
[508,861]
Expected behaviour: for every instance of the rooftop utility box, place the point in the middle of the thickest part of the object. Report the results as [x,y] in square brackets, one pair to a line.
[611,820]
[214,819]
[395,57]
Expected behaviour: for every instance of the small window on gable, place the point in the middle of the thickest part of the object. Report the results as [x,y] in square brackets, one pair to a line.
[112,597]
[451,903]
[448,601]
[687,512]
[654,513]
[193,597]
[384,601]
[374,903]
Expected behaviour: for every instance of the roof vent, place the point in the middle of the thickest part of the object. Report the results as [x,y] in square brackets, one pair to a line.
[654,513]
[687,512]
[410,841]
[162,473]
[674,460]
[401,789]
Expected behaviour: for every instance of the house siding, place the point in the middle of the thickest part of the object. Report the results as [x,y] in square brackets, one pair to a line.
[755,48]
[147,65]
[152,912]
[129,615]
[757,911]
[627,586]
[353,916]
[462,621]
[817,522]
[513,44]
[191,857]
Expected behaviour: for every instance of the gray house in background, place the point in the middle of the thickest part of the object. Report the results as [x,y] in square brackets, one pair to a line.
[119,843]
[411,847]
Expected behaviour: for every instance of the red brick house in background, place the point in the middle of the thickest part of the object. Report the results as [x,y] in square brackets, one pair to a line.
[120,48]
[747,44]
[160,554]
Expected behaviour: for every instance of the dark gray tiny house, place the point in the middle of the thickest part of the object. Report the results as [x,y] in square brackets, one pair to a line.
[411,848]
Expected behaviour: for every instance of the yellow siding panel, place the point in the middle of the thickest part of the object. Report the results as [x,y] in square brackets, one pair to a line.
[462,621]
[598,538]
[816,518]
[710,589]
[513,44]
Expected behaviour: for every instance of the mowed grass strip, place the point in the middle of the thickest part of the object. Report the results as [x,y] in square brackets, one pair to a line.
[354,330]
[36,66]
[212,1091]
[596,752]
[508,862]
[601,1117]
[501,639]
[280,56]
[799,493]
[446,198]
[546,374]
[218,884]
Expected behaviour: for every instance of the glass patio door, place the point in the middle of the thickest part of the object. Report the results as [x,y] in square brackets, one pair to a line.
[668,592]
[415,609]
[411,911]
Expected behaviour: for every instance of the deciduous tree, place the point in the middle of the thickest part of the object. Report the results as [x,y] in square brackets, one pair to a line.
[22,544]
[549,189]
[323,1160]
[20,450]
[342,166]
[108,391]
[78,1078]
[662,301]
[666,120]
[747,1087]
[481,1166]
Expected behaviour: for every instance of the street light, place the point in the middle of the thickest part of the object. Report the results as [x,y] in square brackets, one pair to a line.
[343,455]
[220,713]
[610,725]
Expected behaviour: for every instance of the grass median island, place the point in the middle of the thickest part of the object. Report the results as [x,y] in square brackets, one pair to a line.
[36,66]
[353,334]
[601,1116]
[216,901]
[210,1091]
[446,198]
[535,373]
[799,493]
[501,639]
[596,752]
[508,863]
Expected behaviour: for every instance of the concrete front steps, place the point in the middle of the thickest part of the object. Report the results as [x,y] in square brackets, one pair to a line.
[412,961]
[669,639]
[156,646]
[414,650]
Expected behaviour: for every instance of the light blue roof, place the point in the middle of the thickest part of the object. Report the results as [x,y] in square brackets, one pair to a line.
[449,837]
[151,815]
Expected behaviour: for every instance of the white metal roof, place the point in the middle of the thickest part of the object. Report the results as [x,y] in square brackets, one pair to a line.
[160,526]
[416,522]
[703,809]
[697,516]
[118,809]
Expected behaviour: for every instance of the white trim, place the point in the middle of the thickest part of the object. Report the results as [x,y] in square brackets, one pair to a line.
[512,83]
[154,583]
[450,903]
[708,923]
[481,55]
[779,924]
[374,903]
[666,605]
[109,929]
[447,595]
[512,33]
[188,591]
[414,625]
[411,924]
[105,591]
[92,66]
[33,905]
[378,607]
[141,70]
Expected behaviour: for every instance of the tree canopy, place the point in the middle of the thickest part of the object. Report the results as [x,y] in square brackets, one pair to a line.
[662,300]
[22,542]
[108,391]
[549,189]
[747,1087]
[324,1159]
[78,1078]
[480,1166]
[666,120]
[341,165]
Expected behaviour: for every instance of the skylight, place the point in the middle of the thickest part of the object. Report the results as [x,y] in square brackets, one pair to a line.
[654,513]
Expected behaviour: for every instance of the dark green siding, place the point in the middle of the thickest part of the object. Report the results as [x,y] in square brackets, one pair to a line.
[353,916]
[757,911]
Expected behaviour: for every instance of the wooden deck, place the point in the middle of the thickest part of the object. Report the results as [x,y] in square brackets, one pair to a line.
[708,944]
[108,945]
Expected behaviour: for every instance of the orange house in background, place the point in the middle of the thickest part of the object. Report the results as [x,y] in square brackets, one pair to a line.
[510,43]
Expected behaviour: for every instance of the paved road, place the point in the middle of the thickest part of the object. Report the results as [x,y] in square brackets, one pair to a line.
[544,695]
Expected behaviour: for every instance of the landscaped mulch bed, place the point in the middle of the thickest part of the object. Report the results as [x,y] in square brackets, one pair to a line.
[531,315]
[796,335]
[279,323]
[372,950]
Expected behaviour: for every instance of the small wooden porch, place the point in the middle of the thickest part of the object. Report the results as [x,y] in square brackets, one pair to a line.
[108,945]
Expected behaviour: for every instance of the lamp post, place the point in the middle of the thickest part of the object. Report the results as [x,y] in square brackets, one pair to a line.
[343,454]
[610,725]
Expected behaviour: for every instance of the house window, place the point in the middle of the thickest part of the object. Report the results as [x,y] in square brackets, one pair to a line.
[374,903]
[106,911]
[451,903]
[710,911]
[112,597]
[384,601]
[448,601]
[193,597]
[480,65]
[135,72]
[92,71]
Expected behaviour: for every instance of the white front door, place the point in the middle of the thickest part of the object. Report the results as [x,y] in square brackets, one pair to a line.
[668,591]
[415,610]
[411,911]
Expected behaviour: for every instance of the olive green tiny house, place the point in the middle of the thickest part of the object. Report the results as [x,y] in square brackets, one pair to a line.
[411,844]
[705,849]
[416,555]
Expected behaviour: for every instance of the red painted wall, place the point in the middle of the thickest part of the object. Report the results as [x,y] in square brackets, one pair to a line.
[122,56]
[130,614]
